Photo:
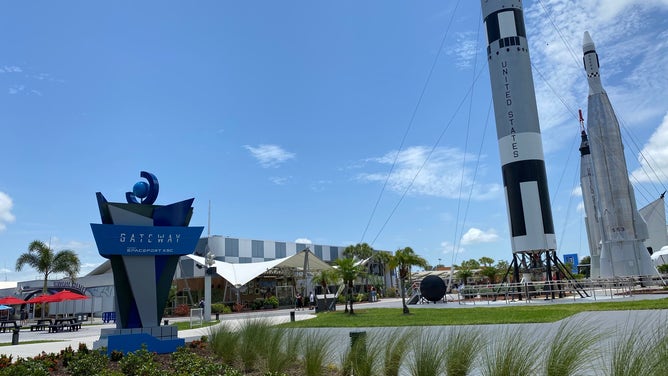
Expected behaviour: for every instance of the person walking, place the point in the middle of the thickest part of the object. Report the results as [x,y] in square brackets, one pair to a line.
[299,304]
[311,301]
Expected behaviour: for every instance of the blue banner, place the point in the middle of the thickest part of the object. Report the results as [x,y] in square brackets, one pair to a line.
[145,240]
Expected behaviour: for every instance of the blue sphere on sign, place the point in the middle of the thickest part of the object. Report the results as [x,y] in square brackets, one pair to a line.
[140,189]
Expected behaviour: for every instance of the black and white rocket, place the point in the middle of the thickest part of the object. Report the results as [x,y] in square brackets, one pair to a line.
[622,229]
[588,186]
[517,127]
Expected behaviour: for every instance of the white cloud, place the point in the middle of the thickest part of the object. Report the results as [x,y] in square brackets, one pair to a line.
[654,154]
[465,50]
[57,244]
[630,65]
[441,176]
[6,215]
[269,155]
[475,236]
[449,248]
[16,89]
[10,69]
[278,180]
[303,241]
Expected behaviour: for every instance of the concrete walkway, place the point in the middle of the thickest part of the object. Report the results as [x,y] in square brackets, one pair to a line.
[90,333]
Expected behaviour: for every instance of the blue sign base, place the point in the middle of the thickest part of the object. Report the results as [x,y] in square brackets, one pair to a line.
[132,342]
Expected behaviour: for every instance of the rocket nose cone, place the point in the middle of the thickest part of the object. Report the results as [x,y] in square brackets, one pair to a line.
[587,43]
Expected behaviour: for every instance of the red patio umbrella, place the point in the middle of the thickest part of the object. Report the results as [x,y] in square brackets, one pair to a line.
[40,299]
[11,300]
[66,295]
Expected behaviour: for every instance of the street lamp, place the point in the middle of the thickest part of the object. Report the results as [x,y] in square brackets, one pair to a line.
[210,270]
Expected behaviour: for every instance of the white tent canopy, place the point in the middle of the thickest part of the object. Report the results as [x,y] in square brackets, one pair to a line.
[240,274]
[660,257]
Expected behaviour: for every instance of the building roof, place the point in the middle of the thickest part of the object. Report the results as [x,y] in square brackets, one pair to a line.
[240,274]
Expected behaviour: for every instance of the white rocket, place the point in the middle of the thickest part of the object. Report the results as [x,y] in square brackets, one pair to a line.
[622,229]
[517,128]
[588,185]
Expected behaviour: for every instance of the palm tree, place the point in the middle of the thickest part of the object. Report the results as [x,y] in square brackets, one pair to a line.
[383,258]
[404,259]
[325,277]
[43,259]
[348,270]
[360,250]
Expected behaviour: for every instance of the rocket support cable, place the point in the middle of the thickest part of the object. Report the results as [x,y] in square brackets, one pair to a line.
[410,124]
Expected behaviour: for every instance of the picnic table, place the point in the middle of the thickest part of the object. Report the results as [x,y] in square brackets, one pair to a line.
[41,324]
[8,324]
[61,323]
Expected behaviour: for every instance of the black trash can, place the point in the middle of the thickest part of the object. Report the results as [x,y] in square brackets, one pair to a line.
[15,336]
[292,316]
[166,322]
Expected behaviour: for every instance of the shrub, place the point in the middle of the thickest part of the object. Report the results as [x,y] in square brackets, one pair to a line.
[257,304]
[361,297]
[341,299]
[24,367]
[185,362]
[116,355]
[90,363]
[272,301]
[182,310]
[218,308]
[140,362]
[5,361]
[50,361]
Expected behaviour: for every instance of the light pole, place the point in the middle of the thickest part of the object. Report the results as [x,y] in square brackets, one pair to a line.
[210,270]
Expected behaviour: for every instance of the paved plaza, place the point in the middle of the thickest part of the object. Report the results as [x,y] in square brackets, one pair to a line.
[90,332]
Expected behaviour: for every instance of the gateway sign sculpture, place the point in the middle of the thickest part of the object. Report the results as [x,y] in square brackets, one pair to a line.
[143,241]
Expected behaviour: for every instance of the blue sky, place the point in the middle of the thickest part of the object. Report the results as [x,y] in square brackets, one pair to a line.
[288,117]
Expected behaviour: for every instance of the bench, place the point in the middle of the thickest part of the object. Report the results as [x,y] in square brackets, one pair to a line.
[38,327]
[54,328]
[74,326]
[41,324]
[9,325]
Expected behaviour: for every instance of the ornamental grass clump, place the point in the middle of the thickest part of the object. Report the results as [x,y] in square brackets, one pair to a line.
[223,341]
[397,343]
[461,348]
[252,342]
[283,347]
[316,350]
[660,350]
[571,349]
[427,355]
[638,353]
[363,356]
[511,352]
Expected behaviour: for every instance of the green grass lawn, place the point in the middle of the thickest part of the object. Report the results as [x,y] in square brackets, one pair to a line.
[515,314]
[185,325]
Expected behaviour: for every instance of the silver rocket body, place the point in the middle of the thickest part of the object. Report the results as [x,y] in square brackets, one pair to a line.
[622,252]
[592,217]
[517,127]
